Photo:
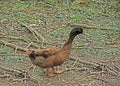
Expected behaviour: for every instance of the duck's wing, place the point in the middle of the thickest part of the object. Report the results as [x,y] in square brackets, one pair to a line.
[47,52]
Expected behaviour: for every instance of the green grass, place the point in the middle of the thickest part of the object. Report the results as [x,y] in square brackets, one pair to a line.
[97,12]
[51,19]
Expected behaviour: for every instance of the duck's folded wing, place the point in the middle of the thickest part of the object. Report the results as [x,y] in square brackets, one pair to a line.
[47,52]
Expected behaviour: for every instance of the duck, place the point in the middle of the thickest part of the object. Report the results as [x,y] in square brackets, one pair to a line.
[52,57]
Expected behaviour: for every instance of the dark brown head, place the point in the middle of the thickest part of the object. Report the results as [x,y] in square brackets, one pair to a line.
[75,31]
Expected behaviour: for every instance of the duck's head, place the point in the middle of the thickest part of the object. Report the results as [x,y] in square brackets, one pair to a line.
[75,31]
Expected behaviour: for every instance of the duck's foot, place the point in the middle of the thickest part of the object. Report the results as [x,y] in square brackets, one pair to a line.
[48,73]
[57,71]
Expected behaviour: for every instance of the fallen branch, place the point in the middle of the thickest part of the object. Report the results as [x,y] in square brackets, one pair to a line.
[19,38]
[5,76]
[91,83]
[26,81]
[29,45]
[100,79]
[35,33]
[79,69]
[32,44]
[13,45]
[75,63]
[115,67]
[97,66]
[97,73]
[84,62]
[13,37]
[11,54]
[90,26]
[112,71]
[18,73]
[10,70]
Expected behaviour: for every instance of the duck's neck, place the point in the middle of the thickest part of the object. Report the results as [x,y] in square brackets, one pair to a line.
[68,44]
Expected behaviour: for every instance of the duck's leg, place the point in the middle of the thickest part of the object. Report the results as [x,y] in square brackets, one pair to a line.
[57,71]
[48,73]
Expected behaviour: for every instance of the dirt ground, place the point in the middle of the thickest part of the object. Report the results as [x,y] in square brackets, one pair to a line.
[95,55]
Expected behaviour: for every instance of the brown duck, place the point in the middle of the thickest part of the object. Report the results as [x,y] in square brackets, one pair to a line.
[53,56]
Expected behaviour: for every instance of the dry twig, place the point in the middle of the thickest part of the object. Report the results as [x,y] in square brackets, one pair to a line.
[5,76]
[84,62]
[10,70]
[98,66]
[29,45]
[13,37]
[15,46]
[34,32]
[11,54]
[100,79]
[90,26]
[112,71]
[79,69]
[12,45]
